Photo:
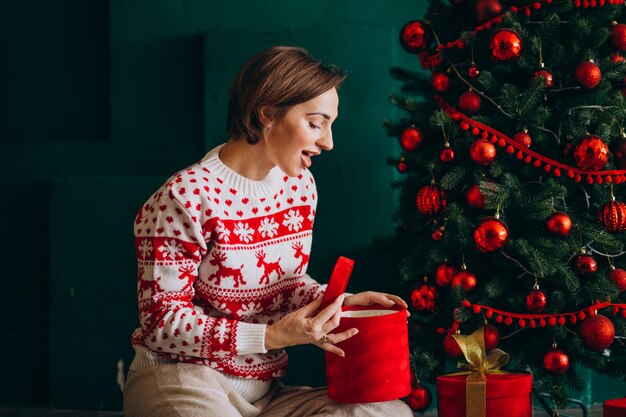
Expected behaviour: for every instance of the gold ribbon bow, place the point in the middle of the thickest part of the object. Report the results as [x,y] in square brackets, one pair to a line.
[480,363]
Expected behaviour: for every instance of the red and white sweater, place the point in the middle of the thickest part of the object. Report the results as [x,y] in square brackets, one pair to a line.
[219,257]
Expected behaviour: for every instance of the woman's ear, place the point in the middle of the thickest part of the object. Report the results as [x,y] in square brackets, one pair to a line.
[265,115]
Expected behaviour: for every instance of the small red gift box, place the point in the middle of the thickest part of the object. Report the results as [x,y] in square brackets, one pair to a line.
[615,408]
[376,366]
[508,394]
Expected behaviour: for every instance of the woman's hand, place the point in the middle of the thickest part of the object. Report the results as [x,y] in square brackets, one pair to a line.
[304,326]
[368,298]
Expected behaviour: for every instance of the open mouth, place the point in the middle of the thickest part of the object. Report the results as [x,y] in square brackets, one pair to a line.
[306,157]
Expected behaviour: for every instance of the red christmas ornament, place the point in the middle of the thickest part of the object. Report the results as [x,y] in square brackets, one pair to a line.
[431,200]
[616,57]
[451,347]
[619,154]
[618,36]
[424,299]
[414,37]
[487,9]
[612,216]
[591,154]
[469,102]
[588,74]
[597,332]
[505,45]
[482,152]
[491,234]
[536,300]
[402,166]
[492,337]
[585,264]
[465,279]
[559,223]
[546,74]
[444,274]
[441,82]
[447,154]
[473,71]
[437,235]
[411,138]
[555,361]
[474,198]
[618,276]
[523,138]
[419,399]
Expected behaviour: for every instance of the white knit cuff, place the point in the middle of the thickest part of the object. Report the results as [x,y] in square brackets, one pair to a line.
[250,338]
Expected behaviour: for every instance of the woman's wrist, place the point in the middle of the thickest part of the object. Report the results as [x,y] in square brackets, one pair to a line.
[269,338]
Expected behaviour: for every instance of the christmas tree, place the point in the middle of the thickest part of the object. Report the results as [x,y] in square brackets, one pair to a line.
[512,185]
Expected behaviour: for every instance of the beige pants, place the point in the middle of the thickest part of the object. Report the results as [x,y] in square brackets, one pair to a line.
[188,390]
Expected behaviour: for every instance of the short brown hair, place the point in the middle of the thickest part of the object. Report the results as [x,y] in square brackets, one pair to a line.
[278,77]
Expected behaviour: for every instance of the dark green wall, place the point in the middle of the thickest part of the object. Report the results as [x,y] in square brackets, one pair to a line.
[100,101]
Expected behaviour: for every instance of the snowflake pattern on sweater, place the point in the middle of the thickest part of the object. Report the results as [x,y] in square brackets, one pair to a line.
[219,257]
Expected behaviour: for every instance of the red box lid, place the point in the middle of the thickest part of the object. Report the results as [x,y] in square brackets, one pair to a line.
[498,385]
[338,280]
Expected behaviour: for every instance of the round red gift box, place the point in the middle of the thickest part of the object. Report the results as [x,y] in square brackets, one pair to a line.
[507,395]
[376,366]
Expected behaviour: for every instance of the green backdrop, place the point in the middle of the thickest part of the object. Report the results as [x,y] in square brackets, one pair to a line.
[100,102]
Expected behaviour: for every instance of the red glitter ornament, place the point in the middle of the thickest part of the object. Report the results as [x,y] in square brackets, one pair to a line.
[612,216]
[588,74]
[492,336]
[618,36]
[444,274]
[597,332]
[411,138]
[465,279]
[505,45]
[559,224]
[424,299]
[547,76]
[585,264]
[618,276]
[486,9]
[536,300]
[591,154]
[431,200]
[555,361]
[523,138]
[451,346]
[419,399]
[447,154]
[474,198]
[491,234]
[414,37]
[469,102]
[482,152]
[441,82]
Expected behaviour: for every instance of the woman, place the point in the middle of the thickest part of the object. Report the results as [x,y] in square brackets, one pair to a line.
[222,252]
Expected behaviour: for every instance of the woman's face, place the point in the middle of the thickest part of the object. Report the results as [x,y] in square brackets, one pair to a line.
[302,133]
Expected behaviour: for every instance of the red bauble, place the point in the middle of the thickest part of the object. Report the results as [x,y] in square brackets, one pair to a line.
[620,154]
[424,299]
[402,166]
[618,36]
[556,361]
[616,57]
[419,399]
[486,9]
[585,264]
[559,223]
[547,76]
[474,198]
[491,234]
[591,154]
[444,274]
[597,332]
[536,300]
[437,235]
[618,276]
[465,279]
[431,200]
[612,216]
[414,37]
[482,152]
[441,82]
[446,155]
[411,138]
[469,102]
[523,138]
[473,71]
[588,74]
[505,45]
[492,337]
[451,347]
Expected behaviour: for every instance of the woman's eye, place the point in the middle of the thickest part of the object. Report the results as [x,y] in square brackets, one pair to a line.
[314,126]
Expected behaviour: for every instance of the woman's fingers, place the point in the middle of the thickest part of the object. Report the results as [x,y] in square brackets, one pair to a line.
[328,342]
[326,314]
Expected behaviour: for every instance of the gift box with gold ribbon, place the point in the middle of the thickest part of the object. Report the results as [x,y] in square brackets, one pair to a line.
[483,389]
